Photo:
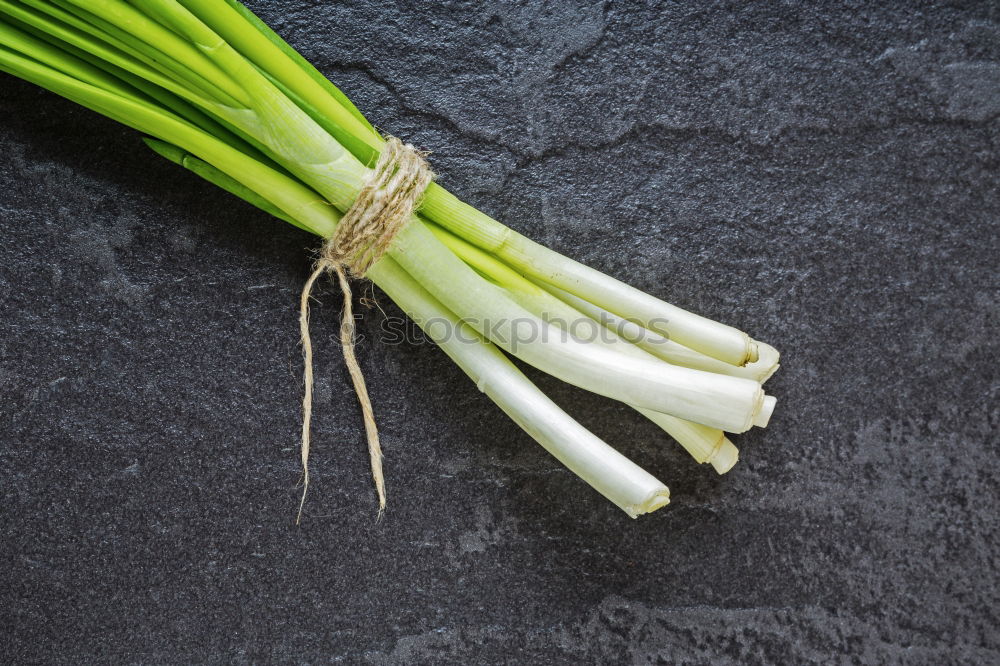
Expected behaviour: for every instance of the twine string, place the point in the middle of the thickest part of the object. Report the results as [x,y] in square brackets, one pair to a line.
[384,206]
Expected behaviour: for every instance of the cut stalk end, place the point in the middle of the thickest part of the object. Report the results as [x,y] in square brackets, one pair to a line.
[656,500]
[767,356]
[762,417]
[726,456]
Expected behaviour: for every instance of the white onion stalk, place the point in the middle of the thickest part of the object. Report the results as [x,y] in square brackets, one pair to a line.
[705,444]
[664,348]
[728,403]
[613,475]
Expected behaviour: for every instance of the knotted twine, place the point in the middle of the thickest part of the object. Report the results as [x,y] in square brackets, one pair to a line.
[384,205]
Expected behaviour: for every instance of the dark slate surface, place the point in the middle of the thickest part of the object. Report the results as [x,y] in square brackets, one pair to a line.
[825,178]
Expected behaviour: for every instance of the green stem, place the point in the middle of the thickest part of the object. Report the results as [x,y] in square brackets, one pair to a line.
[78,19]
[286,193]
[140,79]
[322,100]
[216,177]
[154,41]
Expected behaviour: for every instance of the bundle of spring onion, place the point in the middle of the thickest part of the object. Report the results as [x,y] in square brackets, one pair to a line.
[221,94]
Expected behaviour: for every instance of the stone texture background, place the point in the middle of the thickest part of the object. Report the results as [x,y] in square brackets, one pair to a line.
[823,176]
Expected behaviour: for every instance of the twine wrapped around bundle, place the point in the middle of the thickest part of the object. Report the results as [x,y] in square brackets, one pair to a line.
[384,205]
